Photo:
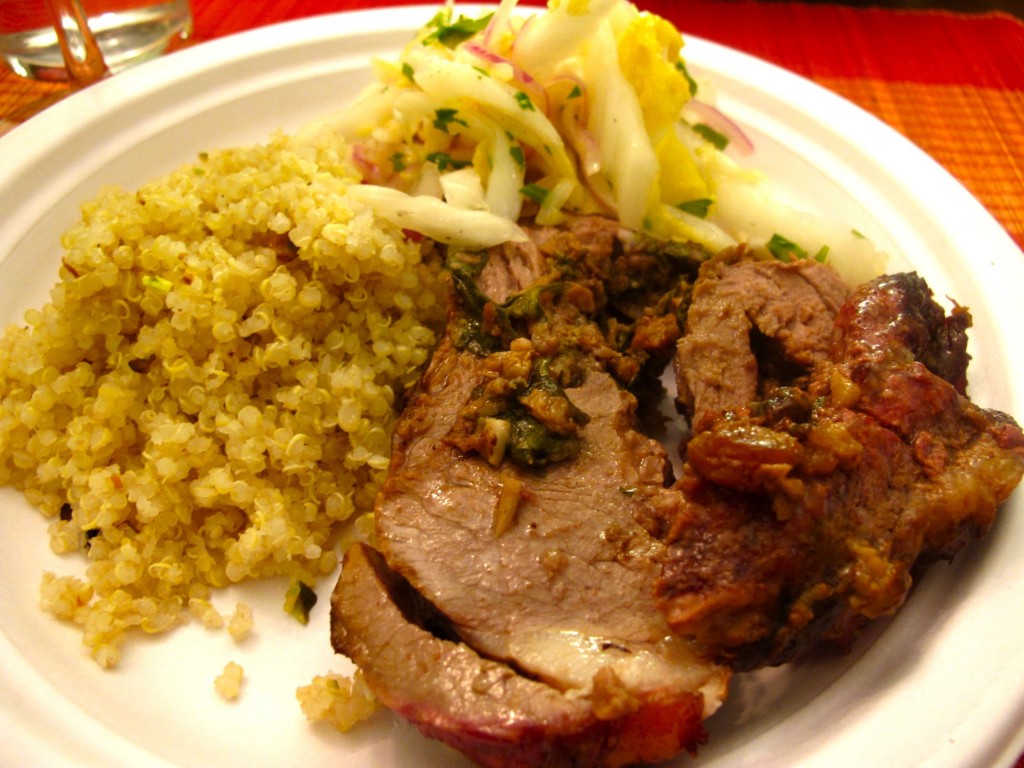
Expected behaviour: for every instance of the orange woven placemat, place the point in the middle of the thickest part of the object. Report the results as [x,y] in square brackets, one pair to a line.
[983,146]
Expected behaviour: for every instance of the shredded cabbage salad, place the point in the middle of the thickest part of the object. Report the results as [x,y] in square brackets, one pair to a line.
[585,107]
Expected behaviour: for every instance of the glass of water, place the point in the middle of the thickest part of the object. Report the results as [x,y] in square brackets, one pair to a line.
[126,32]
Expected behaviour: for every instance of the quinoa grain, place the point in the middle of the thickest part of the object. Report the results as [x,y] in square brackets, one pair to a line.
[337,700]
[229,682]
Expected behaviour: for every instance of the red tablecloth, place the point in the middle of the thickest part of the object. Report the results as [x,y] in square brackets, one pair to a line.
[951,83]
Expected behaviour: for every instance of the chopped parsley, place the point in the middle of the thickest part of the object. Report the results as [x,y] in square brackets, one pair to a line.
[450,33]
[576,92]
[444,161]
[785,250]
[681,66]
[523,100]
[698,207]
[719,140]
[444,117]
[517,154]
[407,70]
[299,601]
[534,192]
[398,162]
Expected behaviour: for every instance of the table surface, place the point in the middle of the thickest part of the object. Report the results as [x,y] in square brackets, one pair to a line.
[1016,7]
[952,81]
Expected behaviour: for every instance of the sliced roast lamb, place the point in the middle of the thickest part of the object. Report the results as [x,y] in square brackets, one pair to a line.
[515,507]
[806,513]
[754,325]
[544,595]
[489,709]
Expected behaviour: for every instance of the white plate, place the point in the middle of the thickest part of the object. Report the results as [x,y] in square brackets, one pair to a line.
[940,685]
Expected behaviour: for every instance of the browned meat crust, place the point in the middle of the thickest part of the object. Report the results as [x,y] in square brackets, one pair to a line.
[813,506]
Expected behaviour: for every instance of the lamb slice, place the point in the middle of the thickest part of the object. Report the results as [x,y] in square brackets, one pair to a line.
[589,241]
[552,561]
[564,593]
[573,567]
[555,653]
[484,708]
[542,565]
[806,514]
[753,325]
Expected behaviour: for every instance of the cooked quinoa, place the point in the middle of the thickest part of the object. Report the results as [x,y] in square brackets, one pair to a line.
[209,393]
[229,682]
[339,700]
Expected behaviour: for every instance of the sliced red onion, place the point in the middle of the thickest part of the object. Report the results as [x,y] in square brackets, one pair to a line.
[529,84]
[490,56]
[368,169]
[567,82]
[500,18]
[715,119]
[573,123]
[524,31]
[519,74]
[601,192]
[488,33]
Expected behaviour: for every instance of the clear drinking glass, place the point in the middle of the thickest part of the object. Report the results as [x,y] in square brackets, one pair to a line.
[126,31]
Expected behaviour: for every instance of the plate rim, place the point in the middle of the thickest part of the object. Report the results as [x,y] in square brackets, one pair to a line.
[22,143]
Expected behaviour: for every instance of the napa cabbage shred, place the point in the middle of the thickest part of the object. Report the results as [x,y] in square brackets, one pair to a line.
[587,107]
